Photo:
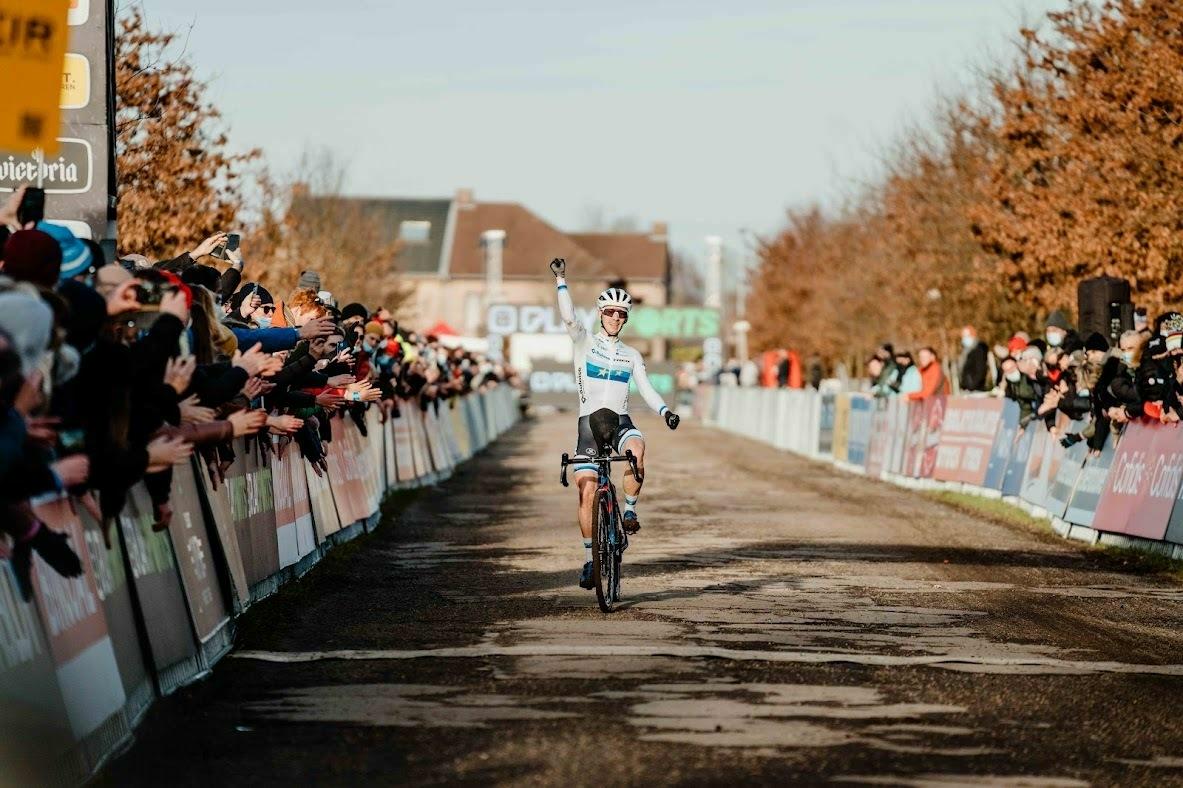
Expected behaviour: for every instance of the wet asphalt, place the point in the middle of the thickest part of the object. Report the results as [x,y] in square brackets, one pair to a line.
[783,623]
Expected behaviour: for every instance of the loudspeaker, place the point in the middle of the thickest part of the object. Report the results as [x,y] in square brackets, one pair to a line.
[1105,307]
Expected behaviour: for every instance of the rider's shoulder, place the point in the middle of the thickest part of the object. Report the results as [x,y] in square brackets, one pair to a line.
[631,352]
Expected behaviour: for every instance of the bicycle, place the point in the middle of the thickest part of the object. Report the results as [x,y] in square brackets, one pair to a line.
[609,541]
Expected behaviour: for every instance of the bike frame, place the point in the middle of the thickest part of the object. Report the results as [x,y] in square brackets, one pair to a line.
[618,539]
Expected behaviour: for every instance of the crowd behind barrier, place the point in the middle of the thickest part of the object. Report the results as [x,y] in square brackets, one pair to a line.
[86,656]
[1129,493]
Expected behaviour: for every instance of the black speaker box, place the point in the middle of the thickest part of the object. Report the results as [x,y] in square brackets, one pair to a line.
[1105,307]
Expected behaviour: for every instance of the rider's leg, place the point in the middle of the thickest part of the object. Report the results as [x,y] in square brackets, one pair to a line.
[586,483]
[632,486]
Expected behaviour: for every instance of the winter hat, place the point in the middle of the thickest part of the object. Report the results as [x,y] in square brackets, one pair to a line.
[1058,319]
[1155,346]
[76,257]
[1015,344]
[33,256]
[1096,342]
[202,275]
[354,310]
[309,280]
[88,313]
[28,321]
[374,327]
[1170,323]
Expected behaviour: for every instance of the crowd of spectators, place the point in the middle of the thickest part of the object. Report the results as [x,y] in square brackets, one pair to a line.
[111,373]
[1097,387]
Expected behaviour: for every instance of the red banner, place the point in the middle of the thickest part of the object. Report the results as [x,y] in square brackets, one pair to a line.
[966,438]
[1143,481]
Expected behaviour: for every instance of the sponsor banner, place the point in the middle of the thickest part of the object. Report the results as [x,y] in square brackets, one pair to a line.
[450,422]
[388,457]
[111,581]
[404,454]
[1090,483]
[897,428]
[1016,465]
[880,445]
[32,45]
[841,433]
[825,435]
[158,585]
[191,546]
[420,459]
[221,510]
[1003,444]
[345,474]
[76,82]
[441,459]
[934,419]
[859,429]
[320,495]
[1063,471]
[967,438]
[1144,481]
[375,467]
[645,322]
[914,439]
[293,509]
[33,720]
[252,507]
[1033,490]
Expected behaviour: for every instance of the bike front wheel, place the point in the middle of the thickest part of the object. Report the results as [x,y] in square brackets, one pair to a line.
[605,561]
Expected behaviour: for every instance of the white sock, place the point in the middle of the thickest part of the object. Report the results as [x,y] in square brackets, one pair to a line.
[630,503]
[587,545]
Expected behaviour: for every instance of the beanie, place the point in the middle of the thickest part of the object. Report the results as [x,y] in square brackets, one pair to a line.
[76,257]
[28,320]
[1096,342]
[1058,319]
[374,327]
[203,275]
[354,310]
[88,313]
[33,256]
[309,280]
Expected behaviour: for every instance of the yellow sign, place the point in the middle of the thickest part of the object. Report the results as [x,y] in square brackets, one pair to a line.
[32,51]
[75,82]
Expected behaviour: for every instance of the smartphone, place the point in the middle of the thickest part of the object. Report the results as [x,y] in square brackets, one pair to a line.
[32,207]
[230,244]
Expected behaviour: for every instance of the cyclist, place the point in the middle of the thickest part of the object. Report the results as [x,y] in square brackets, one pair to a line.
[603,368]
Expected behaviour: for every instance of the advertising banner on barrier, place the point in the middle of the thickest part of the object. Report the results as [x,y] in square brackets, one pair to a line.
[388,453]
[1144,481]
[441,458]
[375,467]
[914,440]
[967,438]
[400,428]
[419,454]
[325,520]
[1016,464]
[158,585]
[858,438]
[898,415]
[252,506]
[199,578]
[934,419]
[73,619]
[878,448]
[1063,471]
[1003,445]
[227,533]
[1033,489]
[839,441]
[825,435]
[1090,483]
[345,475]
[458,429]
[293,509]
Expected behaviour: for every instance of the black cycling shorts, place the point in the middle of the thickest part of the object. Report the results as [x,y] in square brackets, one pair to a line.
[586,442]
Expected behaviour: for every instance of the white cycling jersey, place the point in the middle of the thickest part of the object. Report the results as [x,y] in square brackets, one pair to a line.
[604,366]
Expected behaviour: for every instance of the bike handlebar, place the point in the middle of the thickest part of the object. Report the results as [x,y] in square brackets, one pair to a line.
[626,457]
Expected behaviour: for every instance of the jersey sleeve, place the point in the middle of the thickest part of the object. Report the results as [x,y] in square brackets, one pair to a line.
[567,313]
[648,393]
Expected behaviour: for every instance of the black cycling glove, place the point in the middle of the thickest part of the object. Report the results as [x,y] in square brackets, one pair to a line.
[672,419]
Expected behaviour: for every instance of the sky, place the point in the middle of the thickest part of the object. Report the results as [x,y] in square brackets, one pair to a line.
[713,117]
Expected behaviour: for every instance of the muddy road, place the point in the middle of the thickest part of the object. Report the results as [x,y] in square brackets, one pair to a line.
[783,623]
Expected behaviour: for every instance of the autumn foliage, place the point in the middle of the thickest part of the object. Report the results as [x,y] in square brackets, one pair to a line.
[1069,164]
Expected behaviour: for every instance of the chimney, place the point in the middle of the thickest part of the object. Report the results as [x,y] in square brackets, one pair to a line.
[493,242]
[660,232]
[464,199]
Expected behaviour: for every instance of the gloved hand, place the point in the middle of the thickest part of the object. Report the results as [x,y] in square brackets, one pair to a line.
[1071,439]
[558,267]
[54,549]
[672,419]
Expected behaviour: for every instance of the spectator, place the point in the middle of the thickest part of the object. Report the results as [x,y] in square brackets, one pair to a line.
[1059,333]
[932,377]
[1030,388]
[973,363]
[909,376]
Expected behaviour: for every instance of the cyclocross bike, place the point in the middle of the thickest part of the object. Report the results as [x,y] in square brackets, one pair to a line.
[609,541]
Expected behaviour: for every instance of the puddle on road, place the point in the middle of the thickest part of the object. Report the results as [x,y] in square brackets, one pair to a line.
[774,717]
[401,705]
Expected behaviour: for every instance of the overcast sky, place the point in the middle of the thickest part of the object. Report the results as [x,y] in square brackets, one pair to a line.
[712,116]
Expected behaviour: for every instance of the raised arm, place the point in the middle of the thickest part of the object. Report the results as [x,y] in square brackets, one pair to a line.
[558,267]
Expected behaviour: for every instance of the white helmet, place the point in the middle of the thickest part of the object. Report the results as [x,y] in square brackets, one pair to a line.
[614,297]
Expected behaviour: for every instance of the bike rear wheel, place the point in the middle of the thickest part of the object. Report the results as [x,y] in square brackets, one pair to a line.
[605,559]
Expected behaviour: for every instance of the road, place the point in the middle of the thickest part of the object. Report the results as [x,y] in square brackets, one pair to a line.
[785,622]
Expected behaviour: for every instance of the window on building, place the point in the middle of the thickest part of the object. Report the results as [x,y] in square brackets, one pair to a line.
[414,232]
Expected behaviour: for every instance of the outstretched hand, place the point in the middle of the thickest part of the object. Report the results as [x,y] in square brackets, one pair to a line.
[558,267]
[672,419]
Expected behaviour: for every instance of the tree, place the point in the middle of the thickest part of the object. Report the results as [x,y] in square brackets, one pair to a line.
[177,181]
[307,223]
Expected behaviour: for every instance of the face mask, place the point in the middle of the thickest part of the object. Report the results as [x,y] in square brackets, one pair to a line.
[1127,356]
[1082,392]
[1014,377]
[967,342]
[1054,339]
[264,321]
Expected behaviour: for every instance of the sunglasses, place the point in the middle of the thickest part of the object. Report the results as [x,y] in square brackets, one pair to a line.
[268,308]
[620,313]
